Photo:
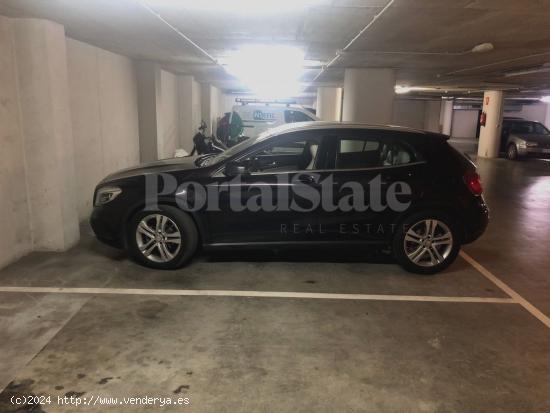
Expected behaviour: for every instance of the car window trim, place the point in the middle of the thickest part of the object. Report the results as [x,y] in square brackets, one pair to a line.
[306,171]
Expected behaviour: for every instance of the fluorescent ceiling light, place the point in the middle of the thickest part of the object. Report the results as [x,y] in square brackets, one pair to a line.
[483,48]
[545,99]
[270,71]
[241,7]
[401,90]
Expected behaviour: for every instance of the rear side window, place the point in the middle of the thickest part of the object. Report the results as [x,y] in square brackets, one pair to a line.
[362,153]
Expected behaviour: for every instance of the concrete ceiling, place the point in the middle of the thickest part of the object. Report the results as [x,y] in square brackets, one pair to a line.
[427,41]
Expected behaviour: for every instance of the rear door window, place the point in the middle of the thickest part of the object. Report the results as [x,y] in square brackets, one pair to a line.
[371,152]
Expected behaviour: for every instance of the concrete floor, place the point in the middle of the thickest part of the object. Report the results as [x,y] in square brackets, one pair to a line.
[300,354]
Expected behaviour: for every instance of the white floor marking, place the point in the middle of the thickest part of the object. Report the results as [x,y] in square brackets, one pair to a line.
[268,294]
[515,296]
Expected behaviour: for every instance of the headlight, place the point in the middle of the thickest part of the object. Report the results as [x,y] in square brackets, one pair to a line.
[106,194]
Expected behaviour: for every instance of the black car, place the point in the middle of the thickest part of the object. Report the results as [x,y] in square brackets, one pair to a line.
[310,184]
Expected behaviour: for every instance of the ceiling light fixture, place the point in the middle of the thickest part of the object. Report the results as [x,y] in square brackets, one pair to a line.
[483,48]
[402,90]
[545,99]
[269,71]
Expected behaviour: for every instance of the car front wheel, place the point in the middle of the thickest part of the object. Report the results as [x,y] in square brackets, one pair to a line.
[164,239]
[512,152]
[426,243]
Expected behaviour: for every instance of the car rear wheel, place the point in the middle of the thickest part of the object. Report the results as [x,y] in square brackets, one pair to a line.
[426,243]
[512,152]
[164,239]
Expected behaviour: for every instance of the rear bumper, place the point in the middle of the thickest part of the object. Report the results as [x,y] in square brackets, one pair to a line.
[476,222]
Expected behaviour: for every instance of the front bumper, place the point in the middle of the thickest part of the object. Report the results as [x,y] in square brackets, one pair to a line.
[104,228]
[534,152]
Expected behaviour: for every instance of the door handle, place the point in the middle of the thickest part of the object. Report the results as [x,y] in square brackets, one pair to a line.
[307,179]
[387,179]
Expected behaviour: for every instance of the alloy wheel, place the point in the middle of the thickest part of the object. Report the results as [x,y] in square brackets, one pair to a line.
[428,243]
[158,238]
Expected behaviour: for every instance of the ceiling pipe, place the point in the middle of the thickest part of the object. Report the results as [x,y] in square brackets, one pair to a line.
[501,62]
[480,48]
[529,71]
[350,43]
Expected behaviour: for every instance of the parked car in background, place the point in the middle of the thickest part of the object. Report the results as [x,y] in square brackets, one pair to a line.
[444,206]
[524,138]
[259,116]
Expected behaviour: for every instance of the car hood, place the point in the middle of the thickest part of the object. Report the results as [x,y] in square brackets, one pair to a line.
[166,165]
[541,139]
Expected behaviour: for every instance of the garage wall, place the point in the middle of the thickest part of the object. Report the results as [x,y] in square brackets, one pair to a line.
[103,96]
[409,113]
[168,139]
[464,123]
[536,112]
[14,206]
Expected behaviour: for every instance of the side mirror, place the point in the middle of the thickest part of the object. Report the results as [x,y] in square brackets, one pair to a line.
[234,169]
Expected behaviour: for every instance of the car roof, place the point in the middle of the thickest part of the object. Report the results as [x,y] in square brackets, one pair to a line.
[304,126]
[520,120]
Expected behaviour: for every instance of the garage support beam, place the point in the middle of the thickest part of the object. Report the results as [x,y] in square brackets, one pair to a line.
[329,103]
[489,135]
[368,95]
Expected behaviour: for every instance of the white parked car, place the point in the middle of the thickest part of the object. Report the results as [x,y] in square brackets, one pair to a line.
[259,117]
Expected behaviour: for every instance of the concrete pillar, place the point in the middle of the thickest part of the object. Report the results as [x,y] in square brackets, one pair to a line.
[47,132]
[447,117]
[211,99]
[189,95]
[489,135]
[149,109]
[329,103]
[368,95]
[432,116]
[14,206]
[547,116]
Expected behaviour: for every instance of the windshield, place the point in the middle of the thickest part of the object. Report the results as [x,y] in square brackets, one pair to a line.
[529,128]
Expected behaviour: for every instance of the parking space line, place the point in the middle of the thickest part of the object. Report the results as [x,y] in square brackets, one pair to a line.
[504,287]
[263,294]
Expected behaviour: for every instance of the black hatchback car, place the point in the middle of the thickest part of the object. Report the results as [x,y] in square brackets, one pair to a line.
[310,184]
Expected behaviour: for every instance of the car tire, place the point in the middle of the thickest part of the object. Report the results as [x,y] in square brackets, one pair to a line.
[426,243]
[165,239]
[512,152]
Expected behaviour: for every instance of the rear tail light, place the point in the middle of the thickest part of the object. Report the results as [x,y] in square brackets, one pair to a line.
[473,182]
